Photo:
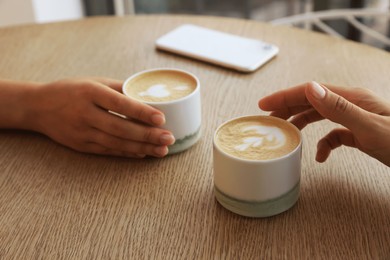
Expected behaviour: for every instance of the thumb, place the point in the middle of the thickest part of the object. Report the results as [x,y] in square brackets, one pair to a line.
[336,108]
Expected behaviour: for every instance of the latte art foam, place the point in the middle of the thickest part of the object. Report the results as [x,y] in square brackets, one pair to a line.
[161,86]
[162,91]
[268,137]
[257,138]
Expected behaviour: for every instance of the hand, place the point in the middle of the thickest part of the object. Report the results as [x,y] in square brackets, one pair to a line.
[366,117]
[75,113]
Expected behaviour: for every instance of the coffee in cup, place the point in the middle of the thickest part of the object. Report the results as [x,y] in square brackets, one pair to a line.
[161,86]
[174,92]
[253,139]
[257,165]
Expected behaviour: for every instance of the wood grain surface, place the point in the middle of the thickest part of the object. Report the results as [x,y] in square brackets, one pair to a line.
[59,204]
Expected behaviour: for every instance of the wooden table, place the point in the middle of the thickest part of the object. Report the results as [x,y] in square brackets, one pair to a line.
[59,204]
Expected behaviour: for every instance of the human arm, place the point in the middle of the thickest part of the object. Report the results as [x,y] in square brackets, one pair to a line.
[75,113]
[365,116]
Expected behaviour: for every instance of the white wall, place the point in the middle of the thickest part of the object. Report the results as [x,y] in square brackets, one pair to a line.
[57,10]
[14,12]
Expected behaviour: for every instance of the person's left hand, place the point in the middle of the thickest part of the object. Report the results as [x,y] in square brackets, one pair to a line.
[365,116]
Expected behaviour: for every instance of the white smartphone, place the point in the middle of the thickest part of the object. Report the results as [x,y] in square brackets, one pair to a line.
[227,50]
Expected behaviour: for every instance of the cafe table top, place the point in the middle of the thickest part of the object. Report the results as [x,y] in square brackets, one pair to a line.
[56,203]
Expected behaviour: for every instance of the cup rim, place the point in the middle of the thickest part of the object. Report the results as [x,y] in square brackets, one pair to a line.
[299,145]
[197,87]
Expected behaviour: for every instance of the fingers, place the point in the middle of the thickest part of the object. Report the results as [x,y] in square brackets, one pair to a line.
[287,98]
[359,110]
[129,130]
[292,98]
[331,141]
[112,83]
[364,98]
[102,143]
[336,108]
[109,99]
[307,117]
[290,111]
[290,102]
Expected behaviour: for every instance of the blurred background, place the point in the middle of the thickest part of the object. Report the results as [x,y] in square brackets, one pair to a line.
[13,12]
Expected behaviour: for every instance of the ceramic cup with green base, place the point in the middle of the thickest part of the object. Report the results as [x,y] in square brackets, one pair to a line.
[176,93]
[257,165]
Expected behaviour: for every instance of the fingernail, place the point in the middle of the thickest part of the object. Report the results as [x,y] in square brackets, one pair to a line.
[158,119]
[167,139]
[317,91]
[161,150]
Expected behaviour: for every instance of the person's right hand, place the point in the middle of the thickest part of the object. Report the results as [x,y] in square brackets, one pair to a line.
[365,116]
[76,113]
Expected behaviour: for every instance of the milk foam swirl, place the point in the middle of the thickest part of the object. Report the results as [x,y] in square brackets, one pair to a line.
[267,137]
[161,91]
[257,137]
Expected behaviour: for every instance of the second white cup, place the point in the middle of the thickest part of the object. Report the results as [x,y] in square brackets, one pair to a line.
[257,165]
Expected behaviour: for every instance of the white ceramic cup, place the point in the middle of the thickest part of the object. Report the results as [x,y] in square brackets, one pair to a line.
[257,188]
[182,116]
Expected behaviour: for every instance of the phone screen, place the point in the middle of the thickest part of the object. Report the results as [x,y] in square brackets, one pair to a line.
[228,50]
